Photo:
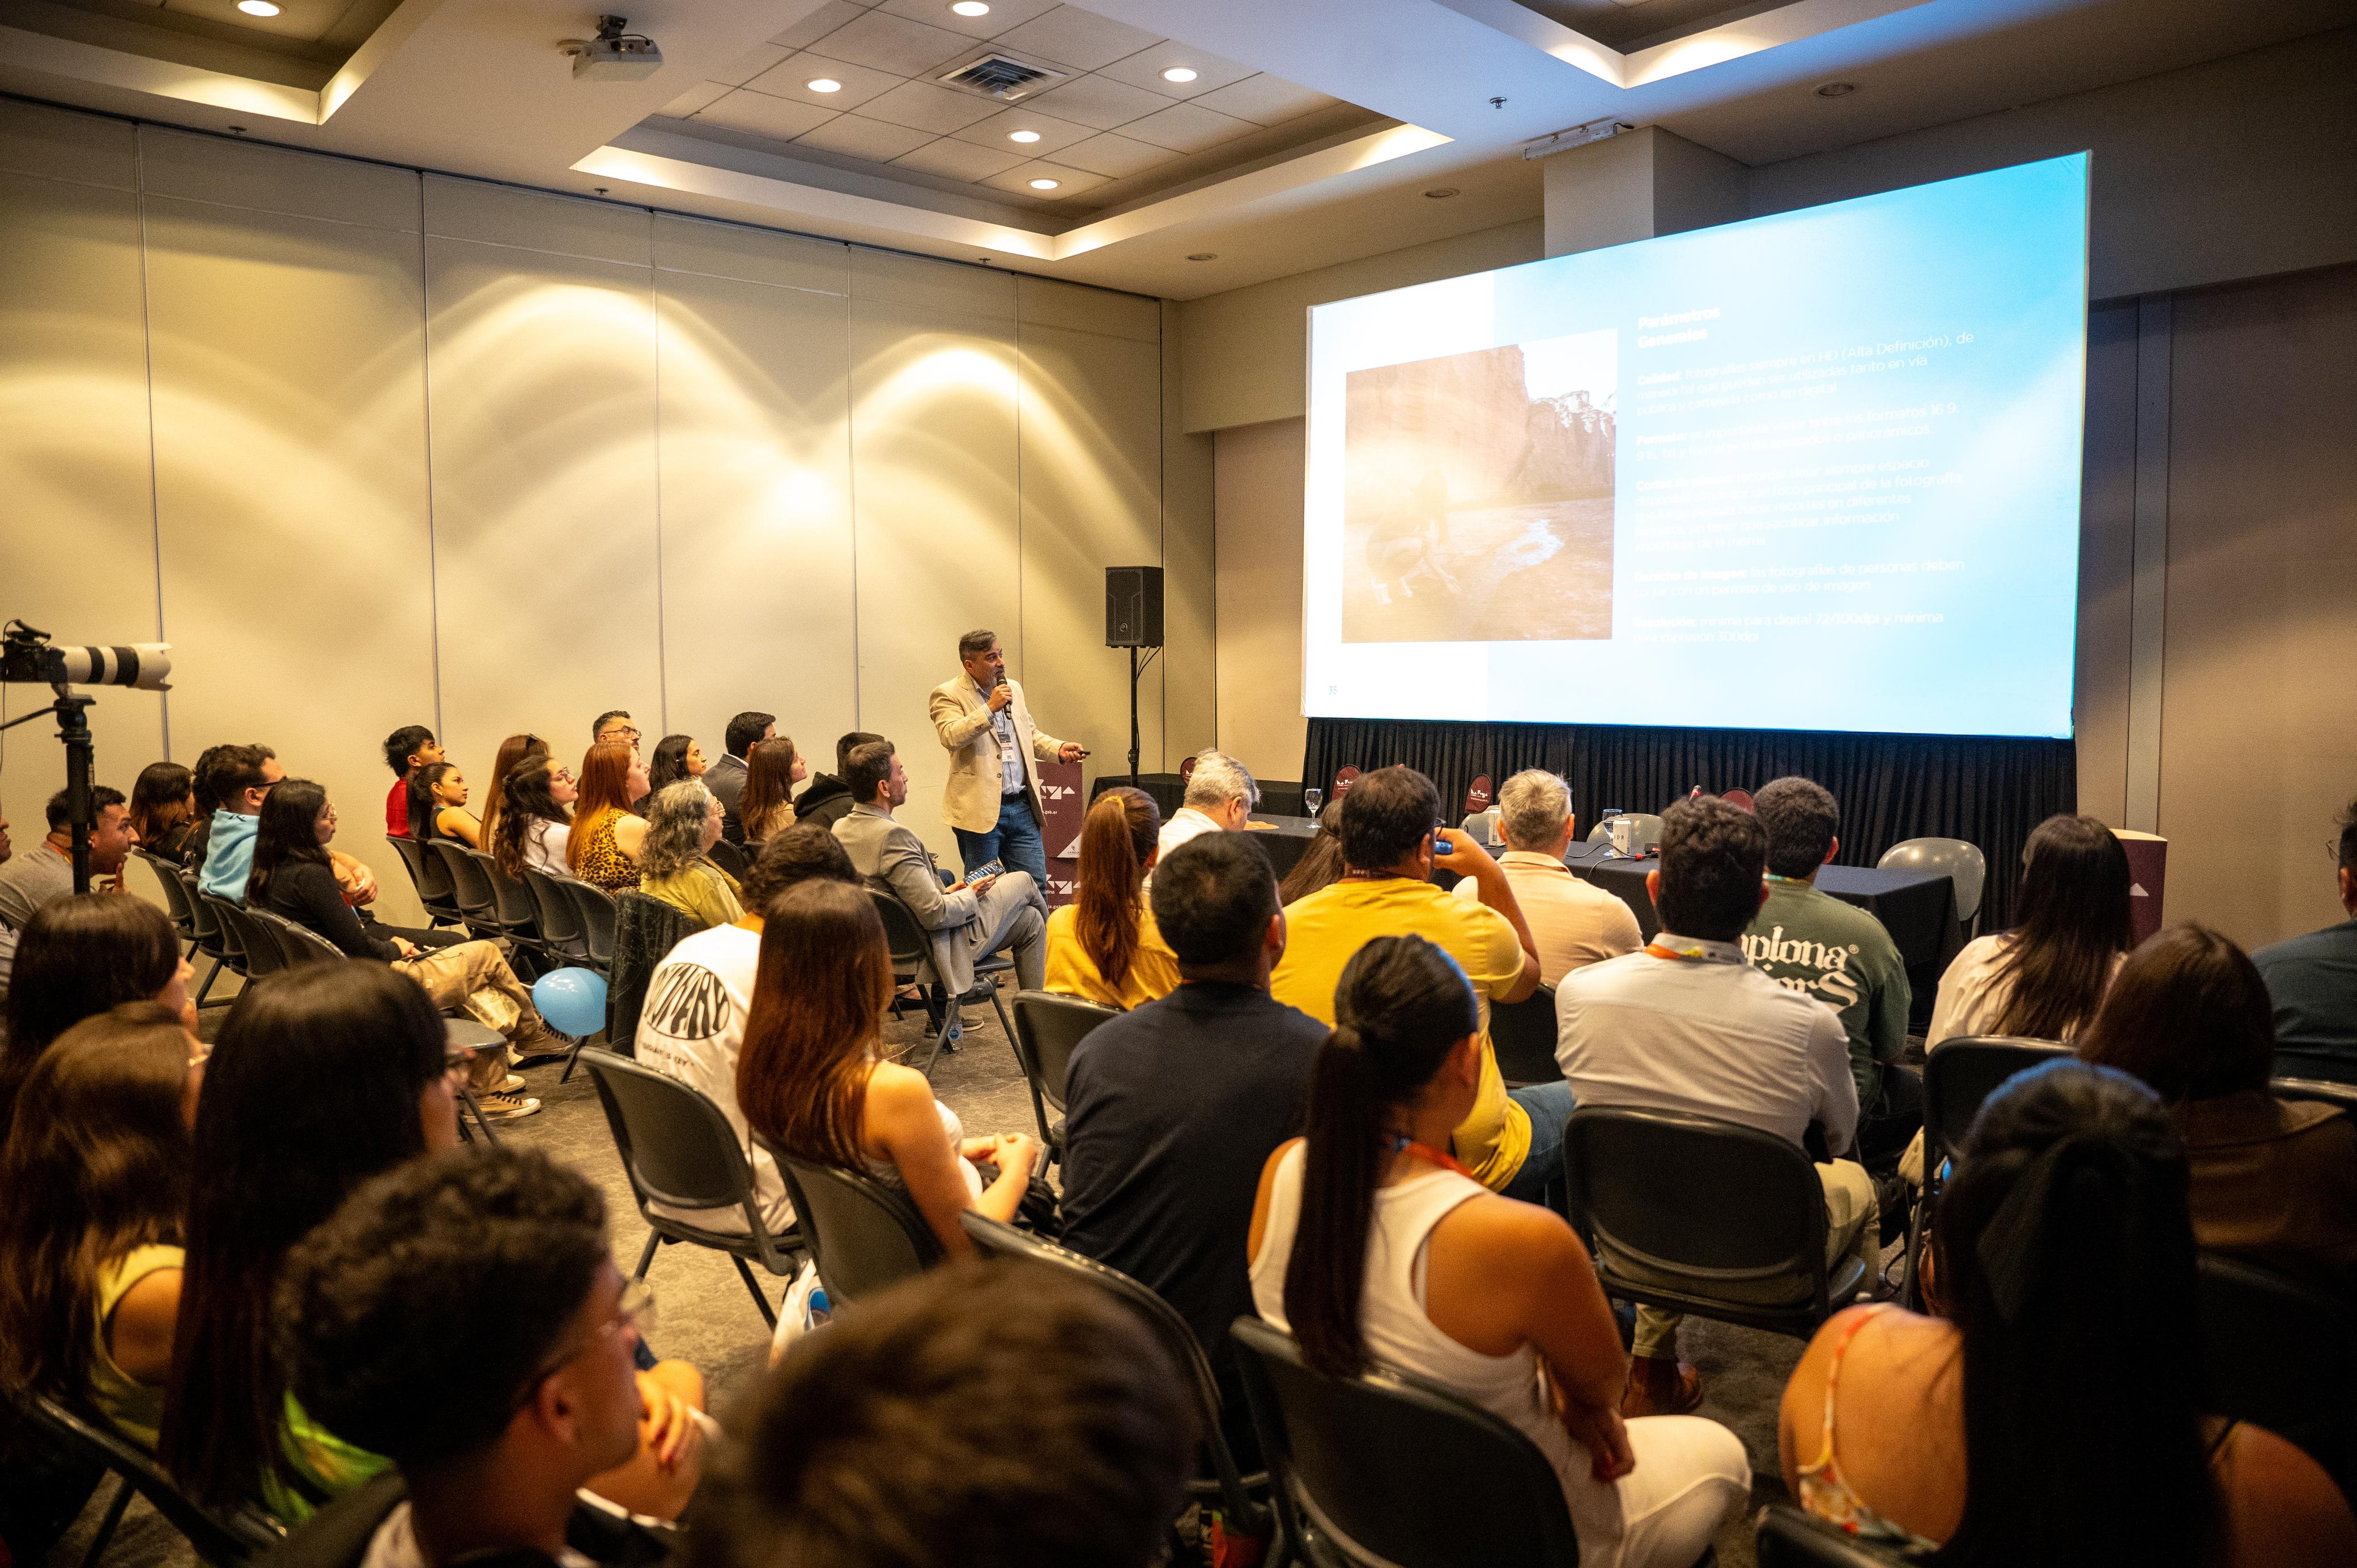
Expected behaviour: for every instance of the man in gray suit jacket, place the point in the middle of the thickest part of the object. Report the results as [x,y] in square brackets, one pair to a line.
[966,923]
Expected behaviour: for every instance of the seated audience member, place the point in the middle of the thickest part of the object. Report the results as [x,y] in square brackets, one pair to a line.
[437,805]
[677,756]
[79,956]
[615,727]
[1320,865]
[242,783]
[164,811]
[1220,798]
[514,752]
[2312,981]
[1160,1162]
[209,785]
[324,1076]
[1686,1024]
[1370,1244]
[826,801]
[966,923]
[96,1174]
[766,805]
[606,840]
[506,1253]
[682,824]
[2275,1181]
[725,777]
[1103,945]
[535,819]
[1574,923]
[1390,835]
[984,1415]
[291,879]
[1813,943]
[406,749]
[2045,977]
[810,1081]
[2052,1415]
[45,871]
[692,1027]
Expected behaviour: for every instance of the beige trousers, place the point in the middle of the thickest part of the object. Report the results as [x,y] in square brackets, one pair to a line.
[1852,1227]
[474,979]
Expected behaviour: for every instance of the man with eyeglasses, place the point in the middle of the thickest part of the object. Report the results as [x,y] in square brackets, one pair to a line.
[462,1315]
[615,725]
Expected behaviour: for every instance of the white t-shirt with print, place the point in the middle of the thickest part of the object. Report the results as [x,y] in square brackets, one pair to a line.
[692,1030]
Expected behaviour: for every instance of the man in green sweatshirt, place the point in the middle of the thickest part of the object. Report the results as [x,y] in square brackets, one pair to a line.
[1811,942]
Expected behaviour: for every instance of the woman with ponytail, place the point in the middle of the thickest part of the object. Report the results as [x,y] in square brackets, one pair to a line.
[1103,945]
[2051,1415]
[1371,1244]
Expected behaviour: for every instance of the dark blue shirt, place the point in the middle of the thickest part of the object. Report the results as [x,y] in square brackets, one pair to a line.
[2312,981]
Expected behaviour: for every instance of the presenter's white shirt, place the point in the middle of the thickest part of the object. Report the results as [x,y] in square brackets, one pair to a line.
[692,1030]
[1185,823]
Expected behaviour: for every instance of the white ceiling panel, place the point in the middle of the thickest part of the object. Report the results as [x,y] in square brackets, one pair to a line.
[694,98]
[856,83]
[818,23]
[1189,127]
[1144,70]
[751,64]
[893,43]
[1079,38]
[858,136]
[921,106]
[1070,182]
[764,116]
[959,160]
[1094,101]
[1052,134]
[1002,15]
[1115,157]
[1265,100]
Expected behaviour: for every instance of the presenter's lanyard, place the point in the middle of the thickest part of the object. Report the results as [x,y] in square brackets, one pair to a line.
[1401,1144]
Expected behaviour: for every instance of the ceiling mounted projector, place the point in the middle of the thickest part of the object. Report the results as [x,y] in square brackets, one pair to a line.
[613,55]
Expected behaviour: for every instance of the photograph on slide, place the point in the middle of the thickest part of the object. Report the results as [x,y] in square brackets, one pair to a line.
[1478,495]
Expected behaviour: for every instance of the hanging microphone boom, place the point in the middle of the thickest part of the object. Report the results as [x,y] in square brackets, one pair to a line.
[27,655]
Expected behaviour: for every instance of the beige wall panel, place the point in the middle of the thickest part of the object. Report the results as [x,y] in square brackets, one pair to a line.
[758,575]
[1092,423]
[1191,693]
[2258,754]
[1044,302]
[78,544]
[542,383]
[275,179]
[291,494]
[940,286]
[1259,505]
[756,255]
[501,215]
[2107,565]
[58,142]
[936,518]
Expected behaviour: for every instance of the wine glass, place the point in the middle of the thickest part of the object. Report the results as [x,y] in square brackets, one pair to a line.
[1310,801]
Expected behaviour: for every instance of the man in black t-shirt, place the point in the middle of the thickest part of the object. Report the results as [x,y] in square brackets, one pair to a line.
[1171,1110]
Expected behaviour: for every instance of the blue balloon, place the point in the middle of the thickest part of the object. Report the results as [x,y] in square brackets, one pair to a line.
[572,1000]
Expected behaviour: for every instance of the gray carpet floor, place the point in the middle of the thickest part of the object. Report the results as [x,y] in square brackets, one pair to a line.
[706,1317]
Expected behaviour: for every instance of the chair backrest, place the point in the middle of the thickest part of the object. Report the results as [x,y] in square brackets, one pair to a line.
[211,937]
[730,858]
[557,915]
[1728,1208]
[248,952]
[469,888]
[518,915]
[1344,780]
[177,902]
[427,874]
[1738,798]
[911,949]
[225,1541]
[296,943]
[1523,1034]
[1960,1073]
[645,931]
[2280,1355]
[1048,1029]
[1649,829]
[594,906]
[1479,795]
[864,1235]
[2343,1095]
[1962,863]
[1790,1538]
[677,1146]
[1391,1469]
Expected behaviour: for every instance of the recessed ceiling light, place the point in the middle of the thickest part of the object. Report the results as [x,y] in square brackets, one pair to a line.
[1204,256]
[1179,73]
[1044,184]
[970,8]
[823,84]
[1837,90]
[257,8]
[1441,193]
[1022,135]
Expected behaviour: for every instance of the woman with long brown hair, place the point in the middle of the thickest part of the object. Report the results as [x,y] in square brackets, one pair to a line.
[2045,977]
[1320,865]
[164,809]
[604,846]
[1103,945]
[766,807]
[810,1078]
[536,818]
[514,752]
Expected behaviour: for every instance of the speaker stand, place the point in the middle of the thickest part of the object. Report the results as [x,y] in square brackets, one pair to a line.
[1135,670]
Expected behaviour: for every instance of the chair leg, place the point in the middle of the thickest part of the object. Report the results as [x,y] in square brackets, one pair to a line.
[210,975]
[475,1106]
[105,1536]
[754,1285]
[572,1058]
[646,1257]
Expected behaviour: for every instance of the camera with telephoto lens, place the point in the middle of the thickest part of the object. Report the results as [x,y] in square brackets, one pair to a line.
[27,655]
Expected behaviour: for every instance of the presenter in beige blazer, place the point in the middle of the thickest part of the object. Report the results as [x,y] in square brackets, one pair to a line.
[992,799]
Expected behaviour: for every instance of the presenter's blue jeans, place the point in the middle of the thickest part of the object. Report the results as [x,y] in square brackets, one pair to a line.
[1549,1108]
[1014,843]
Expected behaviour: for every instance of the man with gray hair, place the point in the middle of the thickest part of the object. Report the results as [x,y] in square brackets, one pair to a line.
[1574,922]
[1220,796]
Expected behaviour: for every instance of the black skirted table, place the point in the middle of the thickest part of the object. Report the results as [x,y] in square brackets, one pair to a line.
[1286,839]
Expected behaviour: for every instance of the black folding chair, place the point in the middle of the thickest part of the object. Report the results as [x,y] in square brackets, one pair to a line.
[645,931]
[195,926]
[428,876]
[465,1032]
[1700,1216]
[1241,1497]
[1388,1468]
[1523,1034]
[224,1541]
[912,963]
[2283,1355]
[214,939]
[257,955]
[1048,1029]
[1959,1074]
[1790,1538]
[518,913]
[730,858]
[470,889]
[594,907]
[296,943]
[864,1236]
[562,935]
[2320,1091]
[679,1150]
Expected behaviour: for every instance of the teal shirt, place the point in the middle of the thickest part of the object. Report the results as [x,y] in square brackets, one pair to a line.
[1813,943]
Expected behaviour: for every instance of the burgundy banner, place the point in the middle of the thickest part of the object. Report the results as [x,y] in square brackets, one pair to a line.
[1065,803]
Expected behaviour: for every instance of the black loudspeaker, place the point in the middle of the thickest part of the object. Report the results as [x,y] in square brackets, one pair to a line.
[1133,607]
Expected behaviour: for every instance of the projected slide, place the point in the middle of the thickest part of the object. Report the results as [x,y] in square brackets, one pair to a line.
[1813,471]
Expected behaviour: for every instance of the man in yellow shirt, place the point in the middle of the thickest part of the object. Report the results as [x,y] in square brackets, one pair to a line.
[1512,1143]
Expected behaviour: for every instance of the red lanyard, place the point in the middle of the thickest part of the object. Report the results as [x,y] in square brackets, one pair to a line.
[1399,1143]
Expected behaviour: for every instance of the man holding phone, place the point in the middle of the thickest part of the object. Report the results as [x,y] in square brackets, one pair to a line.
[992,798]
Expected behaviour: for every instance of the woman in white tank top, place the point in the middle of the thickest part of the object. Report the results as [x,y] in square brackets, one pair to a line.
[1492,1297]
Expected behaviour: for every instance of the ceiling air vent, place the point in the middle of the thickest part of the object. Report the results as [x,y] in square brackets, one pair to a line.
[1001,77]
